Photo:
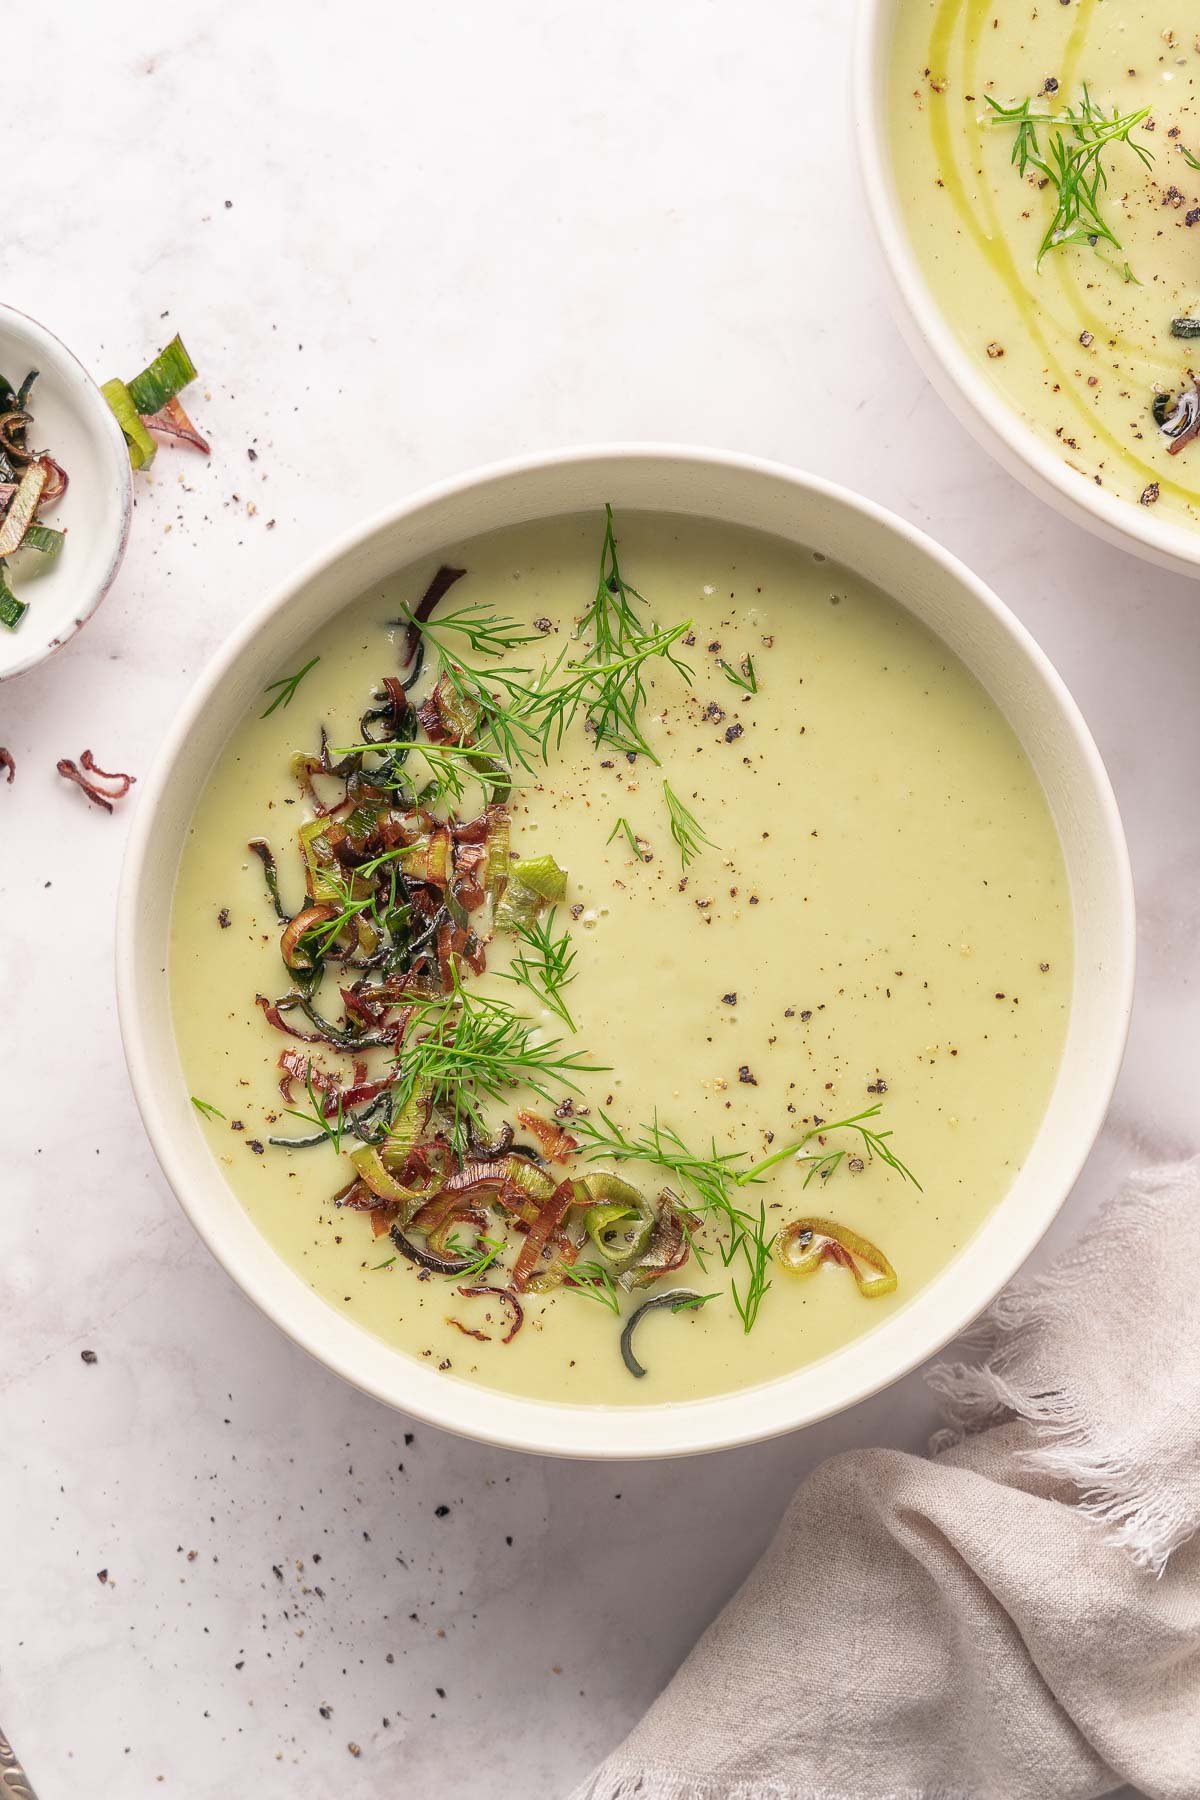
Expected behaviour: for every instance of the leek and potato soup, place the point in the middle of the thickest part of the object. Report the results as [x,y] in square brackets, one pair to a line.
[623,962]
[1047,160]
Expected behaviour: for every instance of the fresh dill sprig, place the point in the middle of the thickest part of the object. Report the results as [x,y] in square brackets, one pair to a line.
[203,1107]
[659,1144]
[386,1264]
[594,1282]
[468,1047]
[631,838]
[533,716]
[1193,162]
[611,621]
[743,676]
[824,1166]
[332,1128]
[504,703]
[318,939]
[756,1248]
[522,715]
[686,829]
[875,1143]
[550,967]
[1073,165]
[488,633]
[287,687]
[615,627]
[483,1252]
[373,866]
[614,700]
[449,767]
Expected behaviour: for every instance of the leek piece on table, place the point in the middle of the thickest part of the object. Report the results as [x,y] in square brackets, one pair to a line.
[141,445]
[145,397]
[171,370]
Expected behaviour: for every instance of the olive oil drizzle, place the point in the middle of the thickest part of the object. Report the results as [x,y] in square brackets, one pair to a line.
[1084,11]
[957,24]
[1119,339]
[1080,310]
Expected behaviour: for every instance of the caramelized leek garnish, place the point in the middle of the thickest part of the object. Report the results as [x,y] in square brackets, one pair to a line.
[805,1244]
[368,1161]
[496,878]
[411,1120]
[459,712]
[529,1178]
[21,508]
[531,883]
[619,1220]
[428,858]
[12,610]
[296,953]
[266,857]
[285,688]
[677,1299]
[543,875]
[325,880]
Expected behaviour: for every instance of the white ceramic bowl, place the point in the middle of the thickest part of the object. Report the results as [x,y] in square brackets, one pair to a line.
[935,587]
[72,421]
[950,368]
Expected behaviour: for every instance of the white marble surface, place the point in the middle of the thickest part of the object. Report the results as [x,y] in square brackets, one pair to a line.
[399,240]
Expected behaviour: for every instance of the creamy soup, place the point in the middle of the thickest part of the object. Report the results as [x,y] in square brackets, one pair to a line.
[838,893]
[1086,320]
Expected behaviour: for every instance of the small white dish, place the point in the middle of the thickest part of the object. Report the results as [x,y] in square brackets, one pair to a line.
[945,360]
[803,510]
[73,424]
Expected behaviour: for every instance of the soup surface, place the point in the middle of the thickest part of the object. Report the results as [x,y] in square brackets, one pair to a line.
[1075,315]
[879,920]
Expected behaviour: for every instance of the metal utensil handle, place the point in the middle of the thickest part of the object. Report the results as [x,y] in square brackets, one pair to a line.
[14,1782]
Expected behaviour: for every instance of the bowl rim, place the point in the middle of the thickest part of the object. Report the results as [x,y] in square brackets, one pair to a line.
[500,1418]
[992,421]
[53,352]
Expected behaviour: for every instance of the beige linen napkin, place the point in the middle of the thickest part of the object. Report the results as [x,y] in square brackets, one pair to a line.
[1017,1618]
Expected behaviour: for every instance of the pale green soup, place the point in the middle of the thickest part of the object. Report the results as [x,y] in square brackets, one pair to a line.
[881,918]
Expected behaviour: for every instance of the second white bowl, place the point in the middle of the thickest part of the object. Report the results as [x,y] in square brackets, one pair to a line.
[73,423]
[942,355]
